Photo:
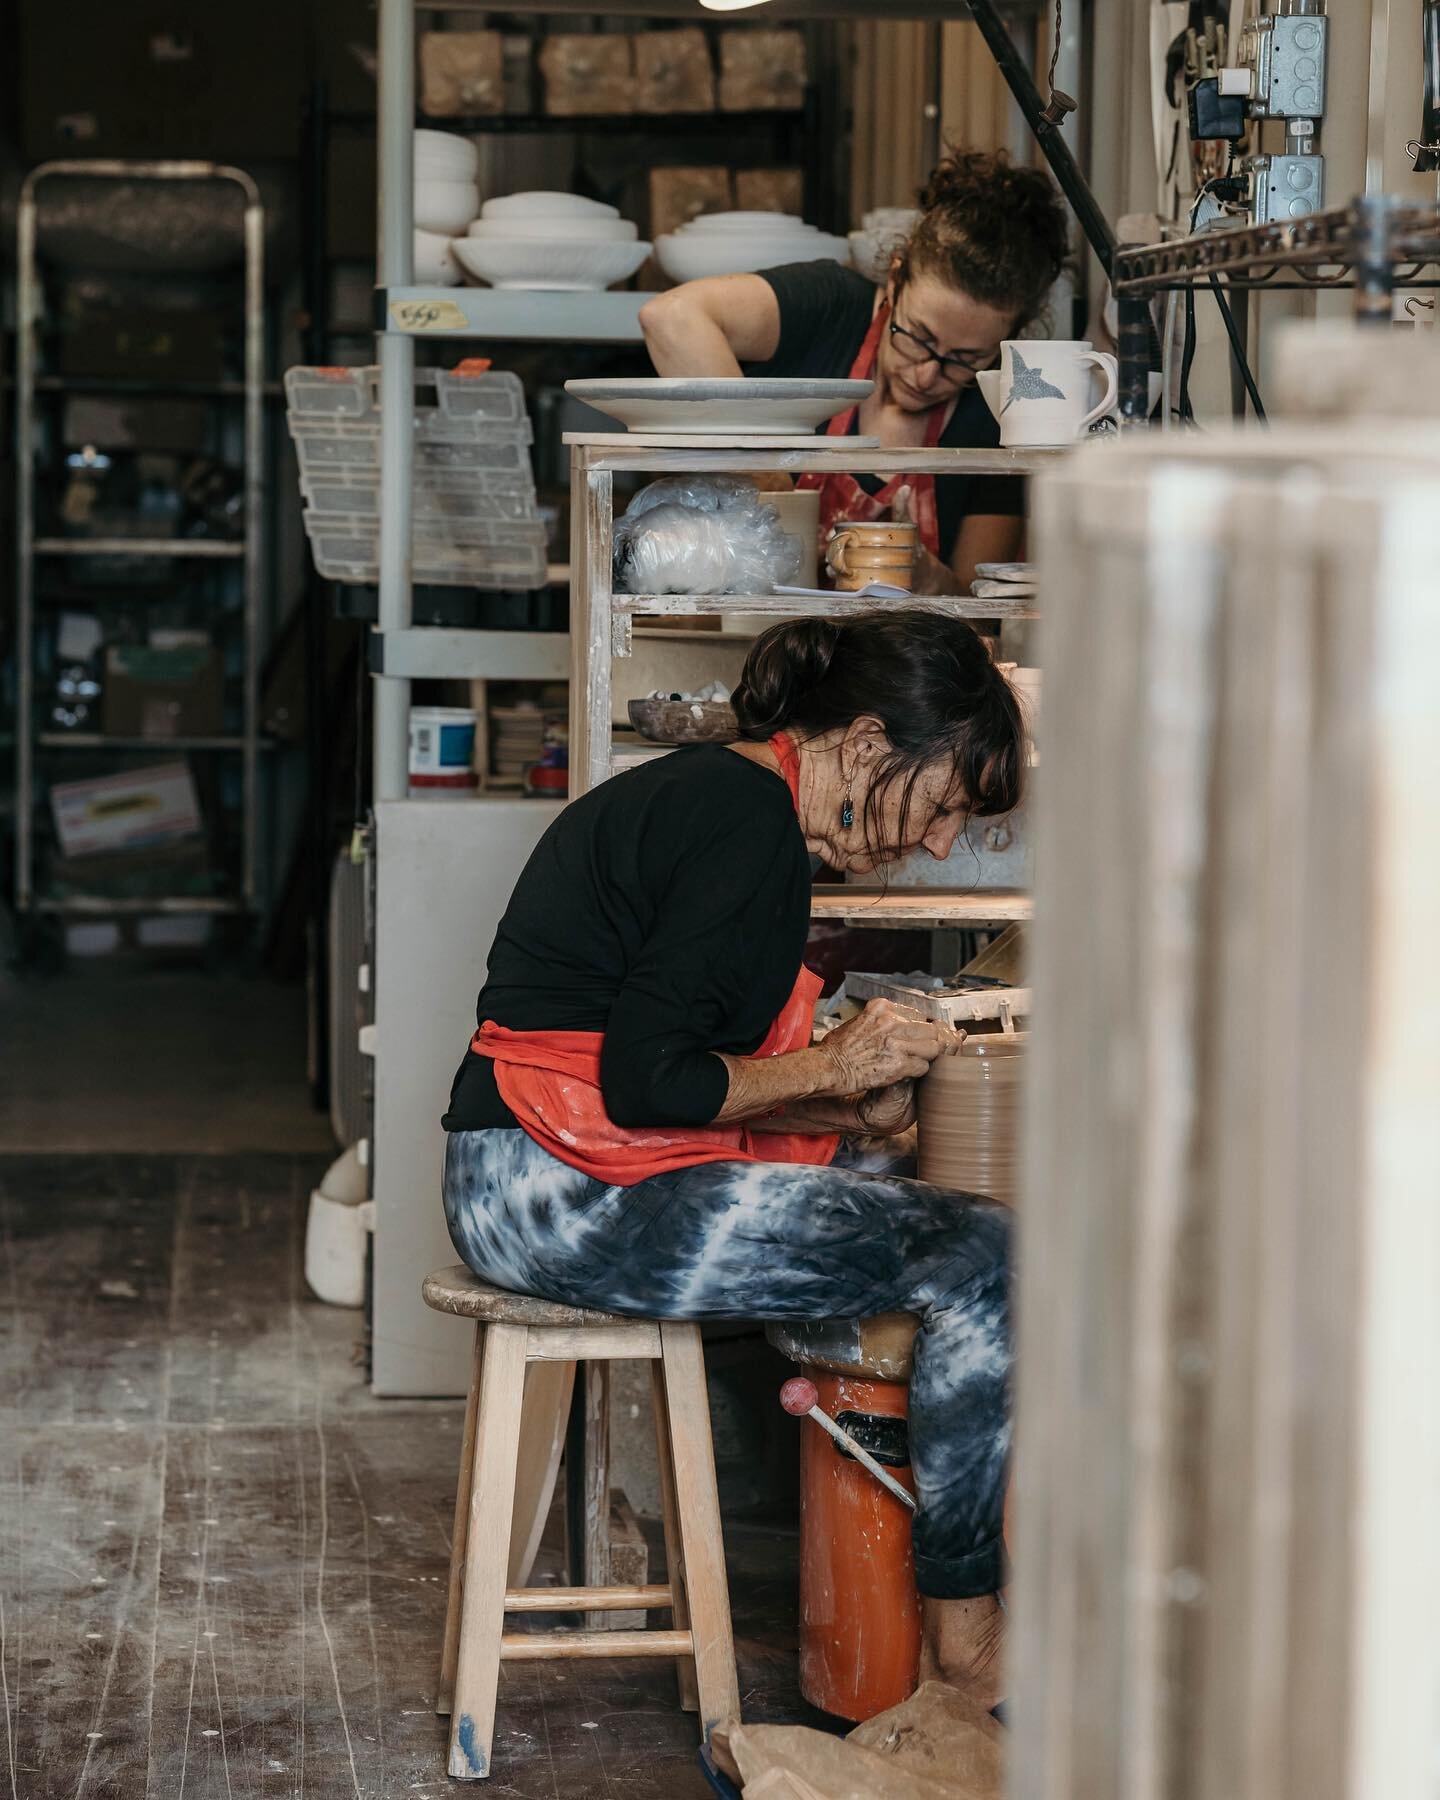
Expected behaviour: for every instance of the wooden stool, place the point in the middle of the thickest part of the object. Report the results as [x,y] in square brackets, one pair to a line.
[511,1330]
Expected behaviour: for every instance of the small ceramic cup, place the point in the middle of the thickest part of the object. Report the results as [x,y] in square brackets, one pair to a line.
[860,552]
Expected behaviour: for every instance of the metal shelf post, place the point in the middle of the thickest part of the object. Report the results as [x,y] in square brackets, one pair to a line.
[397,383]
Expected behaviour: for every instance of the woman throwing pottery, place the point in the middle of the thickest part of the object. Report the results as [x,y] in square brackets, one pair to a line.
[989,243]
[641,1123]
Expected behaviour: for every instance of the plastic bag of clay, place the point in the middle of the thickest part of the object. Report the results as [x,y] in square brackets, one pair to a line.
[691,534]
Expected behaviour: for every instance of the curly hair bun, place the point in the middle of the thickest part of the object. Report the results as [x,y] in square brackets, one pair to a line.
[786,663]
[998,232]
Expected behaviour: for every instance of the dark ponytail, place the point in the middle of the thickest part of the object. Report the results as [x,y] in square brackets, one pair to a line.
[927,677]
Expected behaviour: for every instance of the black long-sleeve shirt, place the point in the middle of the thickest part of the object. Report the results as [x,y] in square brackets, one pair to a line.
[667,908]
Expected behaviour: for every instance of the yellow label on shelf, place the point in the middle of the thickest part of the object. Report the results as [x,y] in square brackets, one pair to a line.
[426,315]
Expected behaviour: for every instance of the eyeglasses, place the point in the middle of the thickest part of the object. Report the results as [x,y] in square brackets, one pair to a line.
[952,366]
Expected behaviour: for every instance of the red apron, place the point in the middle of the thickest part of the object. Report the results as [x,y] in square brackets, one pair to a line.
[550,1080]
[842,497]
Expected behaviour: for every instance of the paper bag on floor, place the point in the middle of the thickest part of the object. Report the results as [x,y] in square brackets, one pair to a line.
[937,1745]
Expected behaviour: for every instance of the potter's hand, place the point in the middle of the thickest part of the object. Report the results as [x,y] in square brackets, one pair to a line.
[887,1111]
[883,1044]
[931,575]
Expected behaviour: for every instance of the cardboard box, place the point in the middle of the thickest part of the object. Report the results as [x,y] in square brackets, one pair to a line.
[589,72]
[673,72]
[461,72]
[127,811]
[770,190]
[679,195]
[151,693]
[762,70]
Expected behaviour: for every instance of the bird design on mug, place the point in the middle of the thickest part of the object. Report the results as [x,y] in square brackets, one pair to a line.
[1028,384]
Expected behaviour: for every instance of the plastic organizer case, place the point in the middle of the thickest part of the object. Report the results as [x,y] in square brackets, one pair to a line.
[450,552]
[355,494]
[475,517]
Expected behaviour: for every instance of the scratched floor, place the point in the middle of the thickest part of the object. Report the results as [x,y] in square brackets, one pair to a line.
[221,1561]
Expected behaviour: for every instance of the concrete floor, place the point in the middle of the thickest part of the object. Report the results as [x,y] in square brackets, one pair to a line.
[222,1561]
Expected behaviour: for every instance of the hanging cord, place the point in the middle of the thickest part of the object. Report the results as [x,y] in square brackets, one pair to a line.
[1167,360]
[1233,334]
[1187,357]
[1237,349]
[1054,52]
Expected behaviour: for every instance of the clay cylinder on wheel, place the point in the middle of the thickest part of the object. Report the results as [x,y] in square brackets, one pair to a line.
[969,1112]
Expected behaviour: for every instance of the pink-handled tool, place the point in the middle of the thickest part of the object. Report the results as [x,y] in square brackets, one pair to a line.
[800,1397]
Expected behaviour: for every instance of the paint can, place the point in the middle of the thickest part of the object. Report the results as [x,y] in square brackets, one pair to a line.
[442,749]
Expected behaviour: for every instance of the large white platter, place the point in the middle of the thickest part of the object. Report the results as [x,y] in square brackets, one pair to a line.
[712,406]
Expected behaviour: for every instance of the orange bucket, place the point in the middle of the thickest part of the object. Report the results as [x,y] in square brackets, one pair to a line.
[859,1608]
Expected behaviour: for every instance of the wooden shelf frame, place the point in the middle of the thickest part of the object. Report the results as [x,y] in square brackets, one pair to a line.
[602,621]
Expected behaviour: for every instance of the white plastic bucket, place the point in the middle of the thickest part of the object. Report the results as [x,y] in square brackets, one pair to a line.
[442,747]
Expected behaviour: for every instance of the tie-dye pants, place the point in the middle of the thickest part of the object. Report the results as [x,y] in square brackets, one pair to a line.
[782,1241]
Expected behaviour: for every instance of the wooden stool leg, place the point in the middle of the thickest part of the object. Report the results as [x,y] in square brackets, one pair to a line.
[674,1554]
[458,1533]
[487,1550]
[697,1501]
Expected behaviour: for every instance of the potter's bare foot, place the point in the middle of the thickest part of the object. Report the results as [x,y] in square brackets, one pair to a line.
[963,1645]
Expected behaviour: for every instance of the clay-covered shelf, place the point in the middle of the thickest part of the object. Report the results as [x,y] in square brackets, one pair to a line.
[918,908]
[602,622]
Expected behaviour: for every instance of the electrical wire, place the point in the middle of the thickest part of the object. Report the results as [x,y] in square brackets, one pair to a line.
[1054,52]
[1237,347]
[1187,358]
[1167,360]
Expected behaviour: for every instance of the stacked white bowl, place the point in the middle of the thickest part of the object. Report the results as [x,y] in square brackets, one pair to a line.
[446,198]
[737,243]
[882,232]
[549,240]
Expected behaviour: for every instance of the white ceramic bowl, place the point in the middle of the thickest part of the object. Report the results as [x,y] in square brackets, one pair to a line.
[578,229]
[775,405]
[687,256]
[747,221]
[563,263]
[445,206]
[435,264]
[446,153]
[543,204]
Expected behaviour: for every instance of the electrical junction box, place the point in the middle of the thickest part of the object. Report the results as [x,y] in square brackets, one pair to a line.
[1285,187]
[1287,53]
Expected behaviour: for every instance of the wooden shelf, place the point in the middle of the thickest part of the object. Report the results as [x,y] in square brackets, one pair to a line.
[612,450]
[787,606]
[919,909]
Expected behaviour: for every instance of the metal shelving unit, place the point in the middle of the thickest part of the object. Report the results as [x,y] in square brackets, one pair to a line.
[1374,245]
[601,621]
[31,547]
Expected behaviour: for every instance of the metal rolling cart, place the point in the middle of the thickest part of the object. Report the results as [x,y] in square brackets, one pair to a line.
[32,547]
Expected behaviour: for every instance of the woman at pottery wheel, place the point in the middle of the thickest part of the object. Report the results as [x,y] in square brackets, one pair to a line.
[641,1123]
[989,243]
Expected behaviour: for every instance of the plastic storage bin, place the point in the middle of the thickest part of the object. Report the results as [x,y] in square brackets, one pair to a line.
[475,516]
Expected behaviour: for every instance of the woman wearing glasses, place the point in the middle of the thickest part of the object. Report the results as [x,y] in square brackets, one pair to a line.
[977,266]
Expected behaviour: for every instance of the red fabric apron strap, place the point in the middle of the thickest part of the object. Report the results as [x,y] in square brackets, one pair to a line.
[841,495]
[550,1080]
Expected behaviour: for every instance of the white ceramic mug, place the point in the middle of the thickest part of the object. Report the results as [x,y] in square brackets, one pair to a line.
[1043,391]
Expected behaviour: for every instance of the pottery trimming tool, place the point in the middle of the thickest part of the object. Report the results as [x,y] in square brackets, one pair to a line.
[963,1000]
[801,1399]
